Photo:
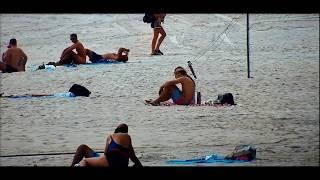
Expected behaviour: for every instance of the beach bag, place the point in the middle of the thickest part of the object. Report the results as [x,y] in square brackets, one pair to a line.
[148,18]
[226,98]
[242,152]
[79,90]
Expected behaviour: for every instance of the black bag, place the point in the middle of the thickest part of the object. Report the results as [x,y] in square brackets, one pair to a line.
[226,98]
[148,18]
[79,90]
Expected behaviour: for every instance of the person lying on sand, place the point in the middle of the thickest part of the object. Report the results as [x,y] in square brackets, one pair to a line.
[121,56]
[117,152]
[169,90]
[68,56]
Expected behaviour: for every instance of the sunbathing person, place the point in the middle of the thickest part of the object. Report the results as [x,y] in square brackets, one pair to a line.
[169,90]
[68,56]
[121,56]
[118,151]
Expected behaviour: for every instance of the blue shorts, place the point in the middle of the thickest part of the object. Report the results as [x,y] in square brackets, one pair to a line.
[177,97]
[95,57]
[94,154]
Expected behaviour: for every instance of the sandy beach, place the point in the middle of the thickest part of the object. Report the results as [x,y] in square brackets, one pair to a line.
[277,109]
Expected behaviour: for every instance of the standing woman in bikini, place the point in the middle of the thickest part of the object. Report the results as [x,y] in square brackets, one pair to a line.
[157,30]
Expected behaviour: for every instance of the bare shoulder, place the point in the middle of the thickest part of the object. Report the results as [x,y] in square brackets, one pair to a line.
[184,78]
[21,50]
[79,44]
[10,50]
[124,134]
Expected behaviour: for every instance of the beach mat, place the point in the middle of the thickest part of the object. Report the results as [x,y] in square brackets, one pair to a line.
[52,67]
[213,158]
[168,103]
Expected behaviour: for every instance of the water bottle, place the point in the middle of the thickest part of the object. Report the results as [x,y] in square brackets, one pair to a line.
[198,98]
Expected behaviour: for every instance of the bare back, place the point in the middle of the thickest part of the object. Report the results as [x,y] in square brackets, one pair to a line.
[110,56]
[122,139]
[81,52]
[188,88]
[16,58]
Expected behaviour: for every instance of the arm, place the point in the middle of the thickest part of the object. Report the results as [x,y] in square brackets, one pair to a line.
[173,82]
[23,61]
[24,56]
[133,156]
[169,83]
[160,17]
[68,50]
[107,145]
[5,57]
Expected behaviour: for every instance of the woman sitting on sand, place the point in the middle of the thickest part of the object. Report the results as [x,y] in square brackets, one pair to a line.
[117,152]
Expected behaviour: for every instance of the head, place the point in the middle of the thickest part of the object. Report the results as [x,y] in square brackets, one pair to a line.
[79,90]
[73,38]
[122,128]
[12,43]
[179,71]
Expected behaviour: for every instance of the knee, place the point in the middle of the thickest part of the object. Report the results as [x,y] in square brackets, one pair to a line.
[172,87]
[164,34]
[83,162]
[83,147]
[169,88]
[155,37]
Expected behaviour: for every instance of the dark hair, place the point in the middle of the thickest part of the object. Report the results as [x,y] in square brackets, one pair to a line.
[184,72]
[13,41]
[79,90]
[122,128]
[74,35]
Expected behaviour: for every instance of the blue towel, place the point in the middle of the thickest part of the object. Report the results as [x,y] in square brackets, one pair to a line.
[104,61]
[214,158]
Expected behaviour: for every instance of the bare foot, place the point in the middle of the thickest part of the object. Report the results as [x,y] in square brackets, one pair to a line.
[147,101]
[151,102]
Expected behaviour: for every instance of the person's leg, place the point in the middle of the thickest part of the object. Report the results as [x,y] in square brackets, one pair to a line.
[95,162]
[165,94]
[82,151]
[89,53]
[163,35]
[156,32]
[77,59]
[66,58]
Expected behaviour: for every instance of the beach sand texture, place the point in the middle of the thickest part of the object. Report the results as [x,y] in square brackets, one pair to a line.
[277,110]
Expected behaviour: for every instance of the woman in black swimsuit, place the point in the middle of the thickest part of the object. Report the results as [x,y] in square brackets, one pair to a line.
[117,152]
